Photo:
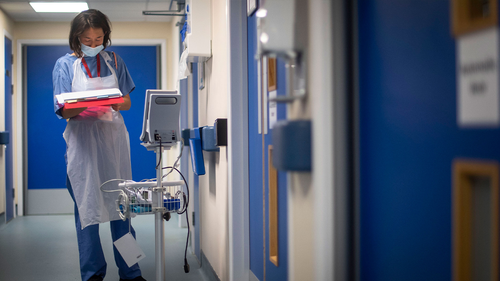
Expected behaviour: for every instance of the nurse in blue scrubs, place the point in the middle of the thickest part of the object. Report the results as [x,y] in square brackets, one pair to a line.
[97,140]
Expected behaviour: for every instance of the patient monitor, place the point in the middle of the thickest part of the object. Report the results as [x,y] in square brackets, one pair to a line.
[160,125]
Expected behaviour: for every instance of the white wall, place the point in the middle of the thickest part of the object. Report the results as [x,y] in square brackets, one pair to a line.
[213,186]
[300,222]
[6,24]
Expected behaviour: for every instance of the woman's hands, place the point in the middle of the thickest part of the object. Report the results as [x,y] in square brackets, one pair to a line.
[122,106]
[68,113]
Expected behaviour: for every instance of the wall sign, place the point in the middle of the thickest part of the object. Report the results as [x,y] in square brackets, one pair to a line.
[273,110]
[477,79]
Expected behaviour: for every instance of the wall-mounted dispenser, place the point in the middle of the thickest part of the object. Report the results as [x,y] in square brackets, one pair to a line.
[206,138]
[195,145]
[220,131]
[186,134]
[4,137]
[292,145]
[199,35]
[199,30]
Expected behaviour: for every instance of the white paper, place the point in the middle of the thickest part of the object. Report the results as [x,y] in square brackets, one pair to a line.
[129,249]
[477,79]
[273,110]
[112,92]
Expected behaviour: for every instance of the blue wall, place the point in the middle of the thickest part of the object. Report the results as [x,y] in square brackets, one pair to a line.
[409,138]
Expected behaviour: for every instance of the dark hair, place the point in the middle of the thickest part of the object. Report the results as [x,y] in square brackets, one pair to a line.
[88,19]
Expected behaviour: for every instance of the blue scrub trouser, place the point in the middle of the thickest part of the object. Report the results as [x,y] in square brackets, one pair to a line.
[92,261]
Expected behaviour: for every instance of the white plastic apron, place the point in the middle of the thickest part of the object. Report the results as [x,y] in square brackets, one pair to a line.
[97,150]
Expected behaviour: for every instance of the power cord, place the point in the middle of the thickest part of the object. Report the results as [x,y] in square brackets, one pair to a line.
[184,211]
[161,153]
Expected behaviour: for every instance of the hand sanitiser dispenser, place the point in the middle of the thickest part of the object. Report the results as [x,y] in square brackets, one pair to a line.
[161,119]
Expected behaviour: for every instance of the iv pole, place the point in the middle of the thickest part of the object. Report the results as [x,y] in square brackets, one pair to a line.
[159,230]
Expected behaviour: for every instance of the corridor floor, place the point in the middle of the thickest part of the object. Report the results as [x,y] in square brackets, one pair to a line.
[44,248]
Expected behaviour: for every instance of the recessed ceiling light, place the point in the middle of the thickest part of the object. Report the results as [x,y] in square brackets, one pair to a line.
[59,7]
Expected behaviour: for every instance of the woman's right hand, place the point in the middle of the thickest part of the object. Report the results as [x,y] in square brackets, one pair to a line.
[72,112]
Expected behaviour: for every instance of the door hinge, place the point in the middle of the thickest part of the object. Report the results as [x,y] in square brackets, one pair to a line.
[11,89]
[13,193]
[11,58]
[192,217]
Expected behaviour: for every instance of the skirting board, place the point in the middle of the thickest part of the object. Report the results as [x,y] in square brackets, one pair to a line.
[207,269]
[253,277]
[49,202]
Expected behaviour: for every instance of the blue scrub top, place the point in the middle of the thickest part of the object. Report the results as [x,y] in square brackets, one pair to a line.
[62,75]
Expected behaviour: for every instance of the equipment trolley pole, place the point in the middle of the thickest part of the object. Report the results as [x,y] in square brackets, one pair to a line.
[159,231]
[131,201]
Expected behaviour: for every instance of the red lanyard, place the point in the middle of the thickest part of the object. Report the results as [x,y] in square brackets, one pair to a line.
[98,67]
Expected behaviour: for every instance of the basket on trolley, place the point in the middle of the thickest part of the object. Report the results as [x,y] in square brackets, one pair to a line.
[138,200]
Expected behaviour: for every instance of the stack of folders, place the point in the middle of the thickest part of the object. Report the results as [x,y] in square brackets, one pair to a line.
[90,98]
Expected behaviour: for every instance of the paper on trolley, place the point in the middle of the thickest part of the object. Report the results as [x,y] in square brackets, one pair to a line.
[129,249]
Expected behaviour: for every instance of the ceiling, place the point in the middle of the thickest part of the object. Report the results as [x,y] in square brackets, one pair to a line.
[116,10]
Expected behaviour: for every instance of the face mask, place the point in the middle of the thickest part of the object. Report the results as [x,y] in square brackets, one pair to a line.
[91,52]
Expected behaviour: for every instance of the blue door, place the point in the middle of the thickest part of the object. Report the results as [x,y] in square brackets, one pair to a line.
[258,154]
[46,146]
[409,138]
[9,171]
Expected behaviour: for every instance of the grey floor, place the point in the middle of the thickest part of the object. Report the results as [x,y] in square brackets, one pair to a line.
[44,248]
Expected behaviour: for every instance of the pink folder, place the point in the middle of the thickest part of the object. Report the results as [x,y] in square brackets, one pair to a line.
[99,102]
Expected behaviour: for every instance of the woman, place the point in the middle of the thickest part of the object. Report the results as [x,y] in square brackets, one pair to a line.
[96,138]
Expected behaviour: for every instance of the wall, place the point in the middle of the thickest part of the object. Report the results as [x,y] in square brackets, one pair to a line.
[60,30]
[213,102]
[6,24]
[300,199]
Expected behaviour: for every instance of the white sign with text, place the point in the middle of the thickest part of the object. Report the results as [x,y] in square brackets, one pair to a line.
[273,109]
[477,79]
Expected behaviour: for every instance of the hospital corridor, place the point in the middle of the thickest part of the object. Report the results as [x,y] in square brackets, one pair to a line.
[250,140]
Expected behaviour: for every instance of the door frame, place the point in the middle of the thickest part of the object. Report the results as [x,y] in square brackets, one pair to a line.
[8,35]
[330,86]
[238,205]
[21,172]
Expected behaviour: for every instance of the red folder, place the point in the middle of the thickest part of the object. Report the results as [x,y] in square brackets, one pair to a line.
[99,102]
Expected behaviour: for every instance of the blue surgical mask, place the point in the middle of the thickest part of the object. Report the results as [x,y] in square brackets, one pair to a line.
[91,52]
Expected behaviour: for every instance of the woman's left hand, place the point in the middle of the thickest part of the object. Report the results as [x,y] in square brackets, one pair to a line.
[125,105]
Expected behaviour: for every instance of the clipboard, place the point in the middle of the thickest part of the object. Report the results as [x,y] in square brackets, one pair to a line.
[99,102]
